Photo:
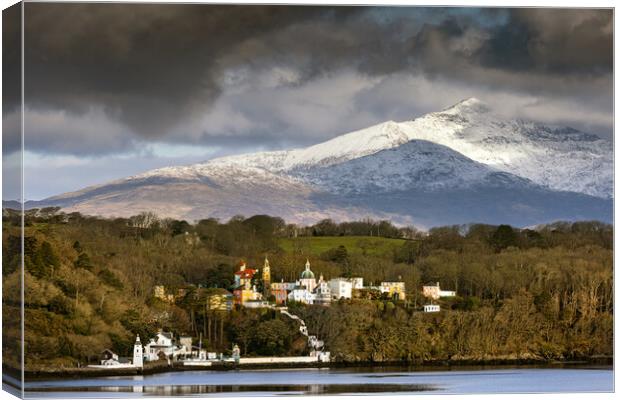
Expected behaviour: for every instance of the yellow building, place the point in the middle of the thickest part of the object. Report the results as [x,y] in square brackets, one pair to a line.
[159,292]
[242,295]
[394,289]
[219,300]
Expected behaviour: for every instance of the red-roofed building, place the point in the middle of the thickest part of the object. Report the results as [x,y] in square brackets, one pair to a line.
[244,290]
[244,276]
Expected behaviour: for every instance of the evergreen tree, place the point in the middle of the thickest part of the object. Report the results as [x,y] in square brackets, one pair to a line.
[48,256]
[503,237]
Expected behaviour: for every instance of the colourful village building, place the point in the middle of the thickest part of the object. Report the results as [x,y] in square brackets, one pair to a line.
[218,299]
[245,291]
[395,290]
[280,290]
[244,276]
[434,291]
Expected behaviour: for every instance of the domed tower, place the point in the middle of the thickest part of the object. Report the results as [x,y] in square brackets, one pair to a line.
[138,353]
[307,278]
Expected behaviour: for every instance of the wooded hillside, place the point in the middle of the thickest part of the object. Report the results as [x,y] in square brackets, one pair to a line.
[544,293]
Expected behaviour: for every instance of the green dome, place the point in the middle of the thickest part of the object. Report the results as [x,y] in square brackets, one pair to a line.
[307,274]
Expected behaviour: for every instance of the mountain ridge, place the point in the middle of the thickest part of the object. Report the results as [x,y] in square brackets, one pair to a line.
[555,157]
[464,150]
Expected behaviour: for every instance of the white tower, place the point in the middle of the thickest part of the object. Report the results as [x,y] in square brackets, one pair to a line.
[138,353]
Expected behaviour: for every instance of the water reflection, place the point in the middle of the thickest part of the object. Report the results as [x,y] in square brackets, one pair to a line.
[300,381]
[312,389]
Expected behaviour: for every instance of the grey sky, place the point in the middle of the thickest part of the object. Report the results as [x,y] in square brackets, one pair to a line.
[115,89]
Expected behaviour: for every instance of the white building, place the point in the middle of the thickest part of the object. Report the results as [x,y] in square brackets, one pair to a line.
[431,308]
[186,343]
[301,295]
[109,358]
[434,292]
[357,283]
[340,288]
[163,344]
[256,304]
[322,293]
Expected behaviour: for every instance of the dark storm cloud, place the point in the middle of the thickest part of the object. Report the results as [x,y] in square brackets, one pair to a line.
[152,69]
[147,65]
[559,41]
[11,83]
[11,54]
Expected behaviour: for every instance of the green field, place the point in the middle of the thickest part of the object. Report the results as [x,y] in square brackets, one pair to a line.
[316,245]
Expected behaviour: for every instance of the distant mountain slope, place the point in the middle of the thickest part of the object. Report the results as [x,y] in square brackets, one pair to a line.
[456,166]
[418,165]
[561,158]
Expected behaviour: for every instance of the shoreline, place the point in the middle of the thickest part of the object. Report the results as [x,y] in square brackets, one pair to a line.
[76,373]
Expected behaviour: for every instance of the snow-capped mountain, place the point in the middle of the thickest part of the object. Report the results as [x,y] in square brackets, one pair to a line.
[560,158]
[458,165]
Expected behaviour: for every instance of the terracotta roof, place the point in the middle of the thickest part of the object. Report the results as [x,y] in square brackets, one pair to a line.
[246,273]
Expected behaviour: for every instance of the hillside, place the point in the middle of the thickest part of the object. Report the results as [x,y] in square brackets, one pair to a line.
[522,294]
[364,245]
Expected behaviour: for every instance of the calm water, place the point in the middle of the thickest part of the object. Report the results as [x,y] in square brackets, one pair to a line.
[399,380]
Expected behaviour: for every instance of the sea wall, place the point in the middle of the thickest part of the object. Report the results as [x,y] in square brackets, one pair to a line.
[277,360]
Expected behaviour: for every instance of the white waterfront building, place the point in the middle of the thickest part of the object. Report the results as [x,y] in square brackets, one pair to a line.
[163,344]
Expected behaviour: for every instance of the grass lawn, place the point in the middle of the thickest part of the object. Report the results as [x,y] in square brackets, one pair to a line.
[370,245]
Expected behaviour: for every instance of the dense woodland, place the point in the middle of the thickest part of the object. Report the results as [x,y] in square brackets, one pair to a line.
[544,293]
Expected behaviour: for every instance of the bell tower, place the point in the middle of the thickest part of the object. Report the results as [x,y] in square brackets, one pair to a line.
[266,276]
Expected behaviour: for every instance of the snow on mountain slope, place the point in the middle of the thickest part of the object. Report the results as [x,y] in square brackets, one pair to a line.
[417,164]
[340,149]
[558,158]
